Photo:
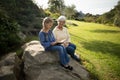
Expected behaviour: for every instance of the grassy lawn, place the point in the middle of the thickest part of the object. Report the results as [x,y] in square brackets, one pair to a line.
[99,48]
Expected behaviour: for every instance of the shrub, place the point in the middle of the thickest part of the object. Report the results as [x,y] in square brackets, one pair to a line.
[9,38]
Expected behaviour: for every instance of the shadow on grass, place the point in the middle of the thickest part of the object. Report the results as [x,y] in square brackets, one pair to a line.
[77,37]
[72,24]
[102,46]
[105,31]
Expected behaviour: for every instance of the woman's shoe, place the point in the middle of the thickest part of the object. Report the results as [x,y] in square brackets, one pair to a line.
[78,60]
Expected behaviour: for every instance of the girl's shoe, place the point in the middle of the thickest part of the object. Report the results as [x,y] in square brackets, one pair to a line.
[67,67]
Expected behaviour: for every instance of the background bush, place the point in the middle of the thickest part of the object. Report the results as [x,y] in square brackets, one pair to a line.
[9,30]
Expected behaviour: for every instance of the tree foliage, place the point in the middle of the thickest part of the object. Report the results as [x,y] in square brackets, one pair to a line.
[111,18]
[18,16]
[117,15]
[25,12]
[56,6]
[70,11]
[9,30]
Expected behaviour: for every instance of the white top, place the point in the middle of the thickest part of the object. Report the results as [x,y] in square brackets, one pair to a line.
[61,35]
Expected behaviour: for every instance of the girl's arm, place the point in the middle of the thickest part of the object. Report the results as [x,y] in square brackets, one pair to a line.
[43,42]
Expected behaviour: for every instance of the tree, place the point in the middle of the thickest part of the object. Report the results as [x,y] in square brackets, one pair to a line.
[117,16]
[9,29]
[70,11]
[112,17]
[26,13]
[56,6]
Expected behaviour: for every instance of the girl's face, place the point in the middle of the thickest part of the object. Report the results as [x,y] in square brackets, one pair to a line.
[49,25]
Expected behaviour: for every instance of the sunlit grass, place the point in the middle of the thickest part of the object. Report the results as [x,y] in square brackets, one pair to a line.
[99,48]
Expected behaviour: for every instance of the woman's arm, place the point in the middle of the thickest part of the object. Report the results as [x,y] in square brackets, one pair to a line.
[68,35]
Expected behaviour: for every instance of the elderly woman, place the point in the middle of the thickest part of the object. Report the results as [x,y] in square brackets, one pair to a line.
[62,36]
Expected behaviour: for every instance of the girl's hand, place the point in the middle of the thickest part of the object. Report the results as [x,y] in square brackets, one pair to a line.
[53,43]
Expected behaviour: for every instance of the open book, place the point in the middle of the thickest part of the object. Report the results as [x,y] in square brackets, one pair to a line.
[61,42]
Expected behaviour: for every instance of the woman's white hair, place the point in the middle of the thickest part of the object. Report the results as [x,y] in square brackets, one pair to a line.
[61,18]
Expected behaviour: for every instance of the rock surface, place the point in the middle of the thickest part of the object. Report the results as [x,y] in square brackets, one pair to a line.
[41,65]
[7,66]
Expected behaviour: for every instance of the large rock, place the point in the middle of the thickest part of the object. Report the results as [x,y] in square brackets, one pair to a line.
[41,65]
[7,66]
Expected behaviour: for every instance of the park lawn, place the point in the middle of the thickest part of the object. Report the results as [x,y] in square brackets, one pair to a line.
[99,48]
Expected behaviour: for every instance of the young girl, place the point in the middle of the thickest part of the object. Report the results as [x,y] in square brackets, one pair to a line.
[47,40]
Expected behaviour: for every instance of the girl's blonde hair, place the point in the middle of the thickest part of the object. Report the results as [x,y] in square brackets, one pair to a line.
[46,20]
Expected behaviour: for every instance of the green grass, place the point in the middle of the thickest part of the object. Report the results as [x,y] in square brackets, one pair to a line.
[99,48]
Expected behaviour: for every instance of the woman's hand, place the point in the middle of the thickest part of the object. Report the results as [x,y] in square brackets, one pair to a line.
[65,44]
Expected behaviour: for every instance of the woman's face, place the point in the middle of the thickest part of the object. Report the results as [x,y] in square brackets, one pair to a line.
[49,25]
[61,23]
